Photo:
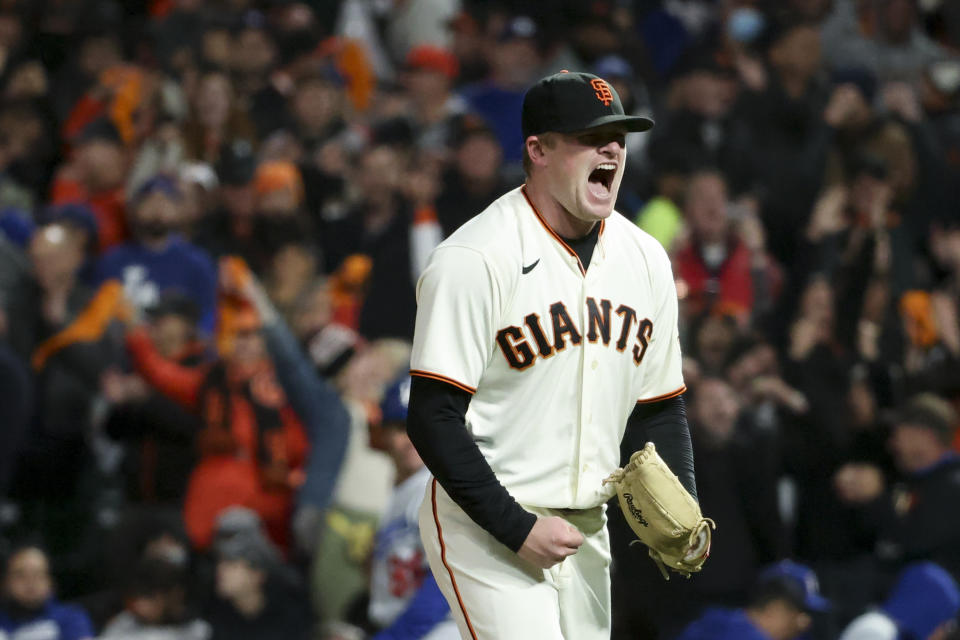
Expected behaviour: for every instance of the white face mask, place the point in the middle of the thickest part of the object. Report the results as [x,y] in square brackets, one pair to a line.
[714,254]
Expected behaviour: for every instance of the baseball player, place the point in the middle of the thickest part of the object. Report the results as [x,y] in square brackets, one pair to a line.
[405,602]
[546,336]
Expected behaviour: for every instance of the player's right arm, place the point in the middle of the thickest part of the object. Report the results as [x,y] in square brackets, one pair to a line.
[437,427]
[458,309]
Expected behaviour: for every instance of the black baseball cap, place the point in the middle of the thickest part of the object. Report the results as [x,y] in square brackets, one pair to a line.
[574,101]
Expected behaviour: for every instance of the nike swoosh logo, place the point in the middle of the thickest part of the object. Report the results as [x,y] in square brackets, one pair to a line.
[530,267]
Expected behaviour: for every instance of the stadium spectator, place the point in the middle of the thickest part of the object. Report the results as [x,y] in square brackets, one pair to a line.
[158,260]
[405,600]
[29,607]
[661,215]
[158,434]
[27,147]
[253,599]
[380,227]
[282,230]
[430,72]
[723,263]
[908,518]
[884,37]
[156,606]
[780,607]
[784,101]
[228,230]
[702,123]
[725,440]
[69,335]
[474,179]
[95,175]
[145,536]
[262,405]
[318,105]
[514,60]
[923,603]
[215,118]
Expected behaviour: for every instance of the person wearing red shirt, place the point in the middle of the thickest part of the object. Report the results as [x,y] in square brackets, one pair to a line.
[723,266]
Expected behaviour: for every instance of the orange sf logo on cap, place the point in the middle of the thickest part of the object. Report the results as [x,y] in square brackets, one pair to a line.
[602,91]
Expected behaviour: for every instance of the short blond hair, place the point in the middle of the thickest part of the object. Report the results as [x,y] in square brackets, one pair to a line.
[549,139]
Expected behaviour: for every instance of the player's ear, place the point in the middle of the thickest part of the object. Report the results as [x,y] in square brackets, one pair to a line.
[535,146]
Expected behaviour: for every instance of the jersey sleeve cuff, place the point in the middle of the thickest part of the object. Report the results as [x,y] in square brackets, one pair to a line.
[441,378]
[665,396]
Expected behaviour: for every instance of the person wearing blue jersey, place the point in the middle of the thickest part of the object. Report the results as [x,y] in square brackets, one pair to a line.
[405,601]
[28,608]
[784,601]
[158,260]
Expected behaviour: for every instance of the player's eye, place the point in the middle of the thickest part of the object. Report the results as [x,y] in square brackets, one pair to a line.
[601,139]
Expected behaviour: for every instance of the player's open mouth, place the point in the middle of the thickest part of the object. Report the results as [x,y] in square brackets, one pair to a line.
[601,179]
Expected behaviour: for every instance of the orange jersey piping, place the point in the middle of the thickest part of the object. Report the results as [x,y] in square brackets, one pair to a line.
[666,396]
[437,376]
[443,558]
[554,233]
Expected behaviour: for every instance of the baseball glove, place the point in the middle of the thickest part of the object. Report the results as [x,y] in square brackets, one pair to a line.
[663,515]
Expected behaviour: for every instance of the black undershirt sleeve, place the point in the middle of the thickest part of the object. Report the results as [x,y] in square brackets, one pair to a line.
[437,427]
[663,423]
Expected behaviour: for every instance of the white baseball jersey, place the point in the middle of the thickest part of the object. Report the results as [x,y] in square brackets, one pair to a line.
[555,355]
[399,564]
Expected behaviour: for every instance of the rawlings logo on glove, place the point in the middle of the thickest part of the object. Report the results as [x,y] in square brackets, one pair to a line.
[662,513]
[636,513]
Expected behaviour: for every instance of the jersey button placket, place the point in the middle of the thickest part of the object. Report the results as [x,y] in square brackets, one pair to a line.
[588,366]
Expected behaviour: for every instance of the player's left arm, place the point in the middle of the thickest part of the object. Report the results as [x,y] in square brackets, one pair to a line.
[426,610]
[660,414]
[664,423]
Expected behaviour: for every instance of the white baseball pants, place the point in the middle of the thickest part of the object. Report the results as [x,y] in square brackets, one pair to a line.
[494,595]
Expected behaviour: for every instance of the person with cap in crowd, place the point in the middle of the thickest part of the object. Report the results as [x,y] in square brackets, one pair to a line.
[405,601]
[95,175]
[430,72]
[514,62]
[158,259]
[784,600]
[256,596]
[916,518]
[922,605]
[228,230]
[286,254]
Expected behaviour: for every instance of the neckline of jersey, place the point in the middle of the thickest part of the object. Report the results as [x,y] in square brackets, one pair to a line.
[555,235]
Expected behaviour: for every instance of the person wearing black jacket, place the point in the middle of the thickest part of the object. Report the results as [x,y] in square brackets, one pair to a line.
[256,598]
[916,518]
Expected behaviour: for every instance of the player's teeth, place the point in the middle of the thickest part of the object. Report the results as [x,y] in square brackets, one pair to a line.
[608,166]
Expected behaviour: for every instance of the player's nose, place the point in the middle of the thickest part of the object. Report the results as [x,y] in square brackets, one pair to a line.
[610,149]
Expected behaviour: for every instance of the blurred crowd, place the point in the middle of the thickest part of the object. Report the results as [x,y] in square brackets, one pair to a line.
[213,214]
